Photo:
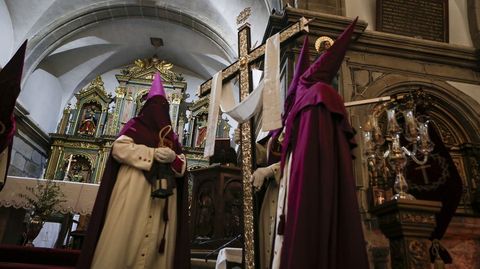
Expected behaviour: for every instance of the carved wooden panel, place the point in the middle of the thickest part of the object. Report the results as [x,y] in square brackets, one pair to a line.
[217,206]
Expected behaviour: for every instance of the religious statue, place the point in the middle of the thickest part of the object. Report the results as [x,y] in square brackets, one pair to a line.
[89,123]
[323,43]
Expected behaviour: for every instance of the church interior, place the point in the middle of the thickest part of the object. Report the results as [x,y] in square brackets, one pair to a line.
[89,65]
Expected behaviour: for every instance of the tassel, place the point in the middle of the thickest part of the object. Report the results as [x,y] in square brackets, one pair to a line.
[438,263]
[161,247]
[281,225]
[165,211]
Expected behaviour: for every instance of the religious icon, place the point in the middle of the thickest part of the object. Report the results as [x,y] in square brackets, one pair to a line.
[89,122]
[202,136]
[323,43]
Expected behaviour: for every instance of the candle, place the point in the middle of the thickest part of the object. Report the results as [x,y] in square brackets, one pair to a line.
[68,167]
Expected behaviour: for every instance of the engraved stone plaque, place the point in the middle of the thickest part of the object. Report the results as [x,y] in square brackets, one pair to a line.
[426,19]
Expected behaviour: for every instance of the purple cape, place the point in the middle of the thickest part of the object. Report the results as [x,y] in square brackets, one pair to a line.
[323,226]
[143,129]
[10,80]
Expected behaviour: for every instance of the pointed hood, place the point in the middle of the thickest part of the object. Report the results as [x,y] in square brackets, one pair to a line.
[327,65]
[157,87]
[154,115]
[302,65]
[10,79]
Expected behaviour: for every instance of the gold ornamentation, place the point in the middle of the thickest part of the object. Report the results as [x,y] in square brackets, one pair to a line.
[323,43]
[81,145]
[447,137]
[408,218]
[247,195]
[129,96]
[146,68]
[244,15]
[417,251]
[120,92]
[96,84]
[243,61]
[246,148]
[417,218]
[300,26]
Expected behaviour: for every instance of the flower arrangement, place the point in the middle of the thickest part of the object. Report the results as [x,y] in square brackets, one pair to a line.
[44,198]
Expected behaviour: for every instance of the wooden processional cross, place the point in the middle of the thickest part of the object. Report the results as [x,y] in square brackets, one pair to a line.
[242,67]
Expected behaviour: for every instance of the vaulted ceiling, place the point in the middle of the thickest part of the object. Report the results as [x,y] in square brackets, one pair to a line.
[71,42]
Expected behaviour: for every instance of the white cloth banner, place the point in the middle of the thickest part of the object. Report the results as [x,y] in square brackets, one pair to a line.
[272,112]
[228,255]
[269,87]
[213,109]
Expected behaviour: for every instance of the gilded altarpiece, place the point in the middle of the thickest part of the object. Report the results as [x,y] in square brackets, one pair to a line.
[84,137]
[81,145]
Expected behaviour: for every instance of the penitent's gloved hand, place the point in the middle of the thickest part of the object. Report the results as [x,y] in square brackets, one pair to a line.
[259,176]
[164,155]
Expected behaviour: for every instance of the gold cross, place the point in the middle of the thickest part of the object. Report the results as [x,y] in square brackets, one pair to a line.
[242,67]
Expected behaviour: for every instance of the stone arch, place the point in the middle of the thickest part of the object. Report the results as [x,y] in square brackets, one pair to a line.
[43,43]
[455,115]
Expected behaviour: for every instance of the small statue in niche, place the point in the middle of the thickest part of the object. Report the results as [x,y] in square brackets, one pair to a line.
[89,123]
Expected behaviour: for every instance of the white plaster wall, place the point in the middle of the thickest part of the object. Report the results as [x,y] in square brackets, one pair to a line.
[42,97]
[458,23]
[110,82]
[469,89]
[365,10]
[25,14]
[6,32]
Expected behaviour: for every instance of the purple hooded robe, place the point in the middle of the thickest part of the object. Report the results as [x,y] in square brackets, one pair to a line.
[323,226]
[10,79]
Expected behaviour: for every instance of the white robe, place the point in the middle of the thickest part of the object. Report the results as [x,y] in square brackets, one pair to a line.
[282,203]
[134,226]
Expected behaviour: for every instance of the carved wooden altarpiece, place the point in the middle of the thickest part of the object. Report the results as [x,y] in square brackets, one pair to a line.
[84,137]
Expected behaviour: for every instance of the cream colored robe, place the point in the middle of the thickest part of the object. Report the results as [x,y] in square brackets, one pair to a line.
[282,206]
[268,211]
[134,226]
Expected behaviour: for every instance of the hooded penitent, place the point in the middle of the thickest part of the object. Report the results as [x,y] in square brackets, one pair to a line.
[302,65]
[323,227]
[143,129]
[10,79]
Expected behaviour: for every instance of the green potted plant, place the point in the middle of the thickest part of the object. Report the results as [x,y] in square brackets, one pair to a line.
[42,201]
